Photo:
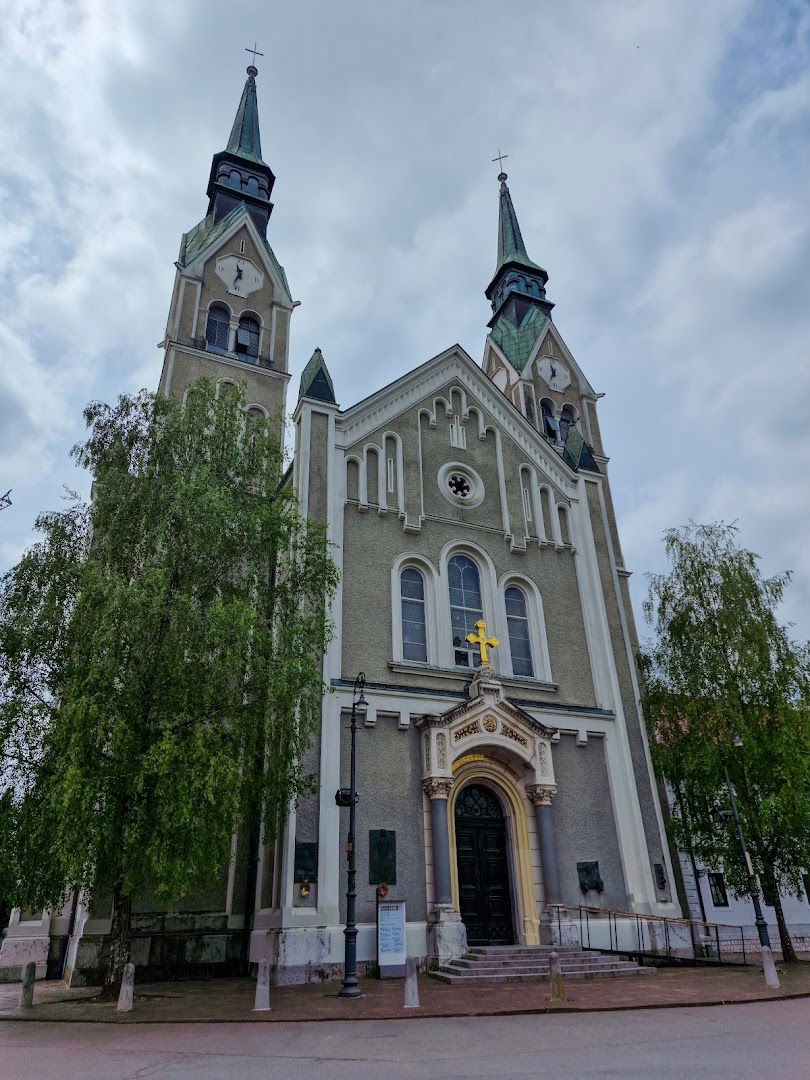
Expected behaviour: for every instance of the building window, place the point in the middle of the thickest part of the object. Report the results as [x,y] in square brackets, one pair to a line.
[465,607]
[551,426]
[567,420]
[247,338]
[517,620]
[717,888]
[414,632]
[217,328]
[460,485]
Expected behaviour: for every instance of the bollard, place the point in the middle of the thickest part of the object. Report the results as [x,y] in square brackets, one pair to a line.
[262,1000]
[769,969]
[126,993]
[411,984]
[27,992]
[555,977]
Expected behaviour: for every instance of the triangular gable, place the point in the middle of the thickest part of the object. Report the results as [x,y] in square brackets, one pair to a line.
[568,356]
[220,234]
[380,408]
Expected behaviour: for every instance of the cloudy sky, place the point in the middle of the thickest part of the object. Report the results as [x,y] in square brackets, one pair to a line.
[659,160]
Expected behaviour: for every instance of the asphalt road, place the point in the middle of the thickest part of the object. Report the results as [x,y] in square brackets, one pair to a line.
[769,1040]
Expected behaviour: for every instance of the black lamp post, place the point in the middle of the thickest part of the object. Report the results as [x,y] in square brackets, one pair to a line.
[348,797]
[762,926]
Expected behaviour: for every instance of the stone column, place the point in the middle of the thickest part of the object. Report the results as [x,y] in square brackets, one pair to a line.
[447,936]
[541,795]
[438,790]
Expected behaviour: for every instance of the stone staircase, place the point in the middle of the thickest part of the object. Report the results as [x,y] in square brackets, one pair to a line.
[525,963]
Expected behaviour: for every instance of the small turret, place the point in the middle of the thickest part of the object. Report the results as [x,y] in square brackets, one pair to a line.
[316,382]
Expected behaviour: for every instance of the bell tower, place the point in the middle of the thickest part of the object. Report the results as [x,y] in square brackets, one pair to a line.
[230,310]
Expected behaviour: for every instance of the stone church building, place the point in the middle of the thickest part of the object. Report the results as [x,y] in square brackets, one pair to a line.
[494,797]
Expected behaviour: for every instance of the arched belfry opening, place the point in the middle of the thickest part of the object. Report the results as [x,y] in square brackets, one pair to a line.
[484,888]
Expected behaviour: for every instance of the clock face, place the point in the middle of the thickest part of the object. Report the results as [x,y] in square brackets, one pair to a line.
[556,374]
[239,275]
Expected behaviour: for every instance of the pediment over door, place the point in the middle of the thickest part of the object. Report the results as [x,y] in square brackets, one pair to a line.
[488,723]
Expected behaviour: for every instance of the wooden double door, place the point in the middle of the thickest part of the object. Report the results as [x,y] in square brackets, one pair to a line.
[485,897]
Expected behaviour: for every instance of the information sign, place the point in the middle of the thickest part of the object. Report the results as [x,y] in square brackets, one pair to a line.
[391,945]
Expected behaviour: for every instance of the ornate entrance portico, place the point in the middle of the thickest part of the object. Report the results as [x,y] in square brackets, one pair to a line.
[489,742]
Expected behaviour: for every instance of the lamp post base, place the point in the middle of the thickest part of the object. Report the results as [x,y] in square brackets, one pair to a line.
[350,991]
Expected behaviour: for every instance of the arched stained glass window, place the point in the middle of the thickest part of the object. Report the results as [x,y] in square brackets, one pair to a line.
[217,328]
[517,620]
[414,631]
[466,607]
[247,338]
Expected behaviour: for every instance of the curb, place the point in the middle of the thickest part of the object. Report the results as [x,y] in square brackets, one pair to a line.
[540,1011]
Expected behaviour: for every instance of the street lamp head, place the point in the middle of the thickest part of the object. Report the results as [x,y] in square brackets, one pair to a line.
[736,741]
[361,701]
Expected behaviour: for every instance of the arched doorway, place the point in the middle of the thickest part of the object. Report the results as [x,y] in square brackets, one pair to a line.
[485,899]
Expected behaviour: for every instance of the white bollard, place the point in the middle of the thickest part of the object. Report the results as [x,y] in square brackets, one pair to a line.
[411,984]
[262,1002]
[27,992]
[126,993]
[769,969]
[556,977]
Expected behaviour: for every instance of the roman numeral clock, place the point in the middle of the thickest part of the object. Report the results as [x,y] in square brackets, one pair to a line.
[239,275]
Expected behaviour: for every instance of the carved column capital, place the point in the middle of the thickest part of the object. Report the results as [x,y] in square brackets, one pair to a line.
[541,794]
[437,787]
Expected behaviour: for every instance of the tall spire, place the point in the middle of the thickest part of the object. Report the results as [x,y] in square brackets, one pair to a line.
[510,240]
[245,140]
[517,291]
[238,173]
[511,248]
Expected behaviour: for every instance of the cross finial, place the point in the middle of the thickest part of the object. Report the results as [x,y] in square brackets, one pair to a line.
[254,52]
[481,640]
[500,158]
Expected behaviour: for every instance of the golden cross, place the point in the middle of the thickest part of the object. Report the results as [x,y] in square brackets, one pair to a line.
[481,640]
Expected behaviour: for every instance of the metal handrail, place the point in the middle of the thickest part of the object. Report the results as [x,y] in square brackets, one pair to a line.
[706,944]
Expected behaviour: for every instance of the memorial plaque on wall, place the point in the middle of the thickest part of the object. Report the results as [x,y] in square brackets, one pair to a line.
[306,863]
[589,876]
[382,857]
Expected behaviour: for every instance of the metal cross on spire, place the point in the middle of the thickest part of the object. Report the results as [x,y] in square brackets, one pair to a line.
[255,52]
[500,158]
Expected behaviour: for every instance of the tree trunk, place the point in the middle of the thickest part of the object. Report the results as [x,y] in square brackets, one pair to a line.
[119,942]
[788,952]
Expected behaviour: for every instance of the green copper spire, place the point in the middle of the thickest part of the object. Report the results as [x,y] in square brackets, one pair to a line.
[245,140]
[510,241]
[316,382]
[238,174]
[517,291]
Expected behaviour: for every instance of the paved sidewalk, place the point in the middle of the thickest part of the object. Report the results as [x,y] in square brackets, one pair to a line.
[231,1000]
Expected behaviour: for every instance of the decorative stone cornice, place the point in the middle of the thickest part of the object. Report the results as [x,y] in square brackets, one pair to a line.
[541,794]
[438,787]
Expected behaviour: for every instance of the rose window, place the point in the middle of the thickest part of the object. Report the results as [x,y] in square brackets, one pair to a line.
[459,485]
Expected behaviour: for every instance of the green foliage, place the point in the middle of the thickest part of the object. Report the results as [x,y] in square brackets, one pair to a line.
[722,666]
[160,652]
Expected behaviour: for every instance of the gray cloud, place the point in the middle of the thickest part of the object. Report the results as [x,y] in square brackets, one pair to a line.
[658,161]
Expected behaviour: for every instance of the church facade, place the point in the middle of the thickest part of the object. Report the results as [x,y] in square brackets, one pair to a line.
[502,782]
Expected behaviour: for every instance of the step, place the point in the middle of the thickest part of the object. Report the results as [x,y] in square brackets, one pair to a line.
[572,970]
[606,973]
[501,950]
[585,964]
